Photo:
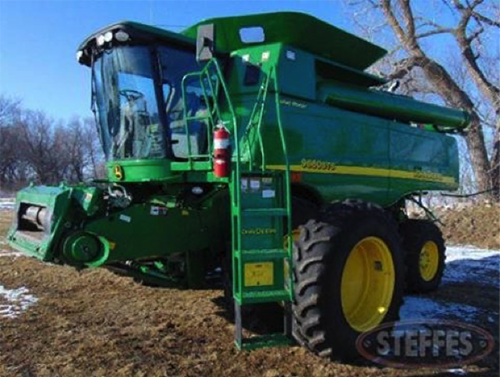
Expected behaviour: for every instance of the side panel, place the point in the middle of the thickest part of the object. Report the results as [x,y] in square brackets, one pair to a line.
[340,155]
[343,154]
[430,158]
[139,232]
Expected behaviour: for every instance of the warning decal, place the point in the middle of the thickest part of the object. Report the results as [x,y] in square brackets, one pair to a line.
[257,274]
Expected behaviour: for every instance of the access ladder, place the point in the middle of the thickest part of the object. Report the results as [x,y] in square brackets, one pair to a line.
[260,207]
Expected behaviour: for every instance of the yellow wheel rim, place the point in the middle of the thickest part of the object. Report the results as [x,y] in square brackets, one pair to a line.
[367,284]
[429,260]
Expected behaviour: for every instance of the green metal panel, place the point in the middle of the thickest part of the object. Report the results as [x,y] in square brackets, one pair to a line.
[351,149]
[299,30]
[432,157]
[319,140]
[59,202]
[343,155]
[137,233]
[141,171]
[134,233]
[333,71]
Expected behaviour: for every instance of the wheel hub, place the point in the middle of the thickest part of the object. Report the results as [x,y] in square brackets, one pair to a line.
[367,284]
[429,260]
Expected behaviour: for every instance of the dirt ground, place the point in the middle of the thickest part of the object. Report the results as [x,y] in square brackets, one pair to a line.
[95,323]
[477,225]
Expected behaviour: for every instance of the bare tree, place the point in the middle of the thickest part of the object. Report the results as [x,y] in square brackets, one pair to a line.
[42,145]
[35,147]
[470,28]
[83,151]
[95,156]
[12,170]
[475,27]
[9,110]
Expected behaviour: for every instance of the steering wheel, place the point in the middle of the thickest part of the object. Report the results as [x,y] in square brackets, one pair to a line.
[130,94]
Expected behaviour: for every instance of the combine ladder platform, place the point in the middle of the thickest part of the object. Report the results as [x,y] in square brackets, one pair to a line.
[261,263]
[260,204]
[261,228]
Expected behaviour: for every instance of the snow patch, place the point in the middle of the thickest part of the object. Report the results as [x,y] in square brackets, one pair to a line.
[454,253]
[19,300]
[473,265]
[9,253]
[457,371]
[416,307]
[7,204]
[463,264]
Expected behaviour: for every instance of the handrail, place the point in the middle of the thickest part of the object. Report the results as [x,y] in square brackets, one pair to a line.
[214,119]
[288,182]
[260,103]
[259,124]
[212,81]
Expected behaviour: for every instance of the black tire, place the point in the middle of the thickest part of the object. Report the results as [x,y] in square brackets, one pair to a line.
[302,211]
[416,233]
[320,255]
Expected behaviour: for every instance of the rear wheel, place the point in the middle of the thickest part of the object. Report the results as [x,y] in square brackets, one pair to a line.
[349,277]
[425,255]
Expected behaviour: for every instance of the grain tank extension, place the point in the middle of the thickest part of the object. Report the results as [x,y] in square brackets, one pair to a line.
[258,146]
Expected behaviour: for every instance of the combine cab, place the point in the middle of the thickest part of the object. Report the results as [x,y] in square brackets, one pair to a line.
[258,144]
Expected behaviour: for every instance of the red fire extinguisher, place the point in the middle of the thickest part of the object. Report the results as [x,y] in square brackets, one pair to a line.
[222,152]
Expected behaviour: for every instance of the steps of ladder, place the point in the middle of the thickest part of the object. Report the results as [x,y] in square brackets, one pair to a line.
[263,212]
[261,341]
[255,297]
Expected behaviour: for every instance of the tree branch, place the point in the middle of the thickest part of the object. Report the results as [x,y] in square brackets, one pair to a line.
[410,23]
[434,32]
[491,91]
[403,68]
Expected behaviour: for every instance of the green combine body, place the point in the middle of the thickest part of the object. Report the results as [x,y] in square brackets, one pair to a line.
[308,127]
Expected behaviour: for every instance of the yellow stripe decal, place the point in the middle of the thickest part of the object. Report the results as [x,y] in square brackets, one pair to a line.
[324,167]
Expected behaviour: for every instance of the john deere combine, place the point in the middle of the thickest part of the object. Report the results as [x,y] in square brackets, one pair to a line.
[231,139]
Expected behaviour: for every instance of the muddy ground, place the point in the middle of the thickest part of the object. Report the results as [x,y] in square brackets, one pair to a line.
[95,323]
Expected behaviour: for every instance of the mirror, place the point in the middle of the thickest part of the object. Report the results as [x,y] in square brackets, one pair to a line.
[205,42]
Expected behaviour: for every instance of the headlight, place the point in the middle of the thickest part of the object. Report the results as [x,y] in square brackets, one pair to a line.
[108,36]
[121,36]
[100,40]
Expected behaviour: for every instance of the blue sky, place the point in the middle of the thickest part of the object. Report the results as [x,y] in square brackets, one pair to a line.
[38,40]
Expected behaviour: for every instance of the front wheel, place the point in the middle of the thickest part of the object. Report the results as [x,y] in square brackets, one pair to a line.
[349,277]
